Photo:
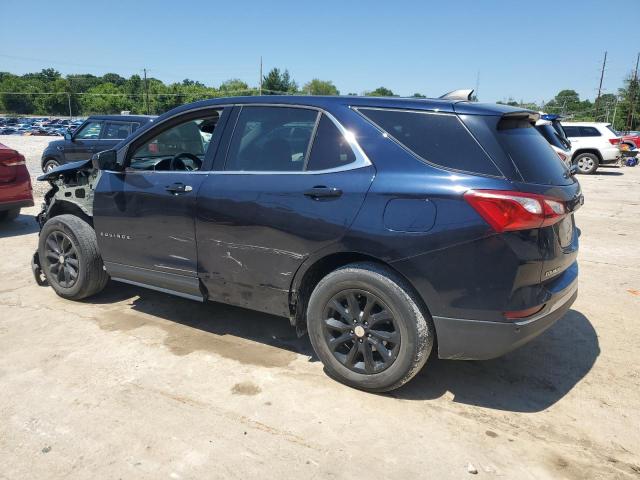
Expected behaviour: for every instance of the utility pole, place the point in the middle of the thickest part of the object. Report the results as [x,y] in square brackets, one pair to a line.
[604,63]
[69,99]
[260,74]
[632,94]
[146,90]
[615,109]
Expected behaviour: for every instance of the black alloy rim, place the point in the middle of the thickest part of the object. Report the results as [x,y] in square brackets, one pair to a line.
[361,331]
[62,259]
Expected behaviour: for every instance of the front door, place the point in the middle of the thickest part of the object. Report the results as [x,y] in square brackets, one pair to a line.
[144,215]
[276,201]
[85,141]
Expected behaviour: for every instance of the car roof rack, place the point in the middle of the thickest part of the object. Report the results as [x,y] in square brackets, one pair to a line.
[463,94]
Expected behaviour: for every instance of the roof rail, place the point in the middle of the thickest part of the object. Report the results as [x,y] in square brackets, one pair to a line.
[463,94]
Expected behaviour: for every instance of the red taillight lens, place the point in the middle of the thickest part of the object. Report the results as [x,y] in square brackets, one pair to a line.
[518,314]
[562,156]
[506,211]
[11,158]
[614,141]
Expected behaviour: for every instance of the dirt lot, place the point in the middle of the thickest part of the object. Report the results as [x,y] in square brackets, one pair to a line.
[138,384]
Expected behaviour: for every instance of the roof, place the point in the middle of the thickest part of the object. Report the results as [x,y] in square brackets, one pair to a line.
[124,118]
[327,102]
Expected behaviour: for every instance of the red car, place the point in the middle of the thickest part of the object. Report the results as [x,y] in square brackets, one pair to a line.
[631,138]
[15,184]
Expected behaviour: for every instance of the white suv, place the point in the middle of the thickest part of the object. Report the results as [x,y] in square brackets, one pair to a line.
[592,144]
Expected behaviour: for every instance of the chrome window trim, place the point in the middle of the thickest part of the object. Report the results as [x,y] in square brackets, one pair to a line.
[362,160]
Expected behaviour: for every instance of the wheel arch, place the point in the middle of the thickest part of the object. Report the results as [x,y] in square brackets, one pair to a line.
[61,207]
[47,157]
[593,151]
[313,270]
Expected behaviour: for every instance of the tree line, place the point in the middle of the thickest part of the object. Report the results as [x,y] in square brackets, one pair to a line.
[48,92]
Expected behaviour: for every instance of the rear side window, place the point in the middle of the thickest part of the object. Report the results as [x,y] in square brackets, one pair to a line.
[116,131]
[530,152]
[589,132]
[330,149]
[271,139]
[440,139]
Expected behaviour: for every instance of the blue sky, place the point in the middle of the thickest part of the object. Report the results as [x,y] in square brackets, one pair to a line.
[525,50]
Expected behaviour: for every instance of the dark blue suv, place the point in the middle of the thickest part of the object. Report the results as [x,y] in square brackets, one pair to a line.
[384,227]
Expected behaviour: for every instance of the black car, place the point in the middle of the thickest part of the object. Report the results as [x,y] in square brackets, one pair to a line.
[97,133]
[378,225]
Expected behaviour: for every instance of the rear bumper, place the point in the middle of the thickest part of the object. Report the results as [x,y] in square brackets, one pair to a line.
[18,204]
[462,339]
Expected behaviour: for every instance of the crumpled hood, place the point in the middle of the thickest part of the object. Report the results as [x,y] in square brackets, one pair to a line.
[66,168]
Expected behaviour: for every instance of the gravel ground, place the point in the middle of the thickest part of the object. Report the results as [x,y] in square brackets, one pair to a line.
[137,384]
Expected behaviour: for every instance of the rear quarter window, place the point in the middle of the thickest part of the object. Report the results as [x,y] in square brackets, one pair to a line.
[439,139]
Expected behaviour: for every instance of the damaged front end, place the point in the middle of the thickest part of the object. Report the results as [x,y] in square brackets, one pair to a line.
[72,187]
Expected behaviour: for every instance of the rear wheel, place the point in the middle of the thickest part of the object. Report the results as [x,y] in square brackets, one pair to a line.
[49,165]
[368,328]
[8,215]
[587,163]
[69,257]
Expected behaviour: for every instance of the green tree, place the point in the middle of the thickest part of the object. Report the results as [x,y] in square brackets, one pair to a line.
[234,86]
[418,95]
[321,87]
[381,92]
[275,83]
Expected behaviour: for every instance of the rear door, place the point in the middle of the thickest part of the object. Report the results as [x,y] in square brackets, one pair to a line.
[112,134]
[287,184]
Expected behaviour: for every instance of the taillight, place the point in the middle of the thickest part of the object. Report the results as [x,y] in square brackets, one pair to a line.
[519,314]
[506,210]
[11,159]
[614,141]
[562,156]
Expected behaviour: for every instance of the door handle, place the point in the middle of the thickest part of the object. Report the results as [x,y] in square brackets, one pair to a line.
[178,188]
[321,191]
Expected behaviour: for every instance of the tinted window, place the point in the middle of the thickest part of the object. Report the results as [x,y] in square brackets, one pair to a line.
[437,138]
[551,135]
[589,132]
[90,131]
[530,152]
[571,131]
[271,139]
[330,149]
[116,131]
[180,147]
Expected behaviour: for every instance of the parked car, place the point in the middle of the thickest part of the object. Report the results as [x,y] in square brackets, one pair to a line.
[594,144]
[97,133]
[375,224]
[560,144]
[15,184]
[630,138]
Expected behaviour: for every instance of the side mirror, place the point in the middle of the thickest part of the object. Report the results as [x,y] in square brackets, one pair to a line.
[68,136]
[106,160]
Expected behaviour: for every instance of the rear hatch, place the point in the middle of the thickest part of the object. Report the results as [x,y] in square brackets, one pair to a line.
[10,160]
[529,162]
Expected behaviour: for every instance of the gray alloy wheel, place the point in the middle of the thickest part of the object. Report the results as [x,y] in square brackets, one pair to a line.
[587,163]
[50,165]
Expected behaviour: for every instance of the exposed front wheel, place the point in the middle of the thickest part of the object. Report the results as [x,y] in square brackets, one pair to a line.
[368,328]
[69,257]
[587,163]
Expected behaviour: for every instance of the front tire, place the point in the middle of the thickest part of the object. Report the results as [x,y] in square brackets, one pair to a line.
[49,165]
[9,215]
[367,327]
[587,163]
[68,251]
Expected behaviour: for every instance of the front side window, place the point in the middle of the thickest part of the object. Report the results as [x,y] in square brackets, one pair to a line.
[271,139]
[330,149]
[90,131]
[180,147]
[116,131]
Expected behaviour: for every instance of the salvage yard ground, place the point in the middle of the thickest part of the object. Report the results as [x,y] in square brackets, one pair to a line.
[137,384]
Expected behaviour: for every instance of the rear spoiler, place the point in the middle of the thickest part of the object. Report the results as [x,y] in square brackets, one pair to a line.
[461,95]
[518,119]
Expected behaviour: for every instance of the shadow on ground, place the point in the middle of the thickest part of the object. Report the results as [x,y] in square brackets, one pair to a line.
[529,379]
[23,225]
[608,173]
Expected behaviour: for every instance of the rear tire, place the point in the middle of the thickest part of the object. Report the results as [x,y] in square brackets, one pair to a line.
[587,163]
[9,215]
[368,328]
[68,251]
